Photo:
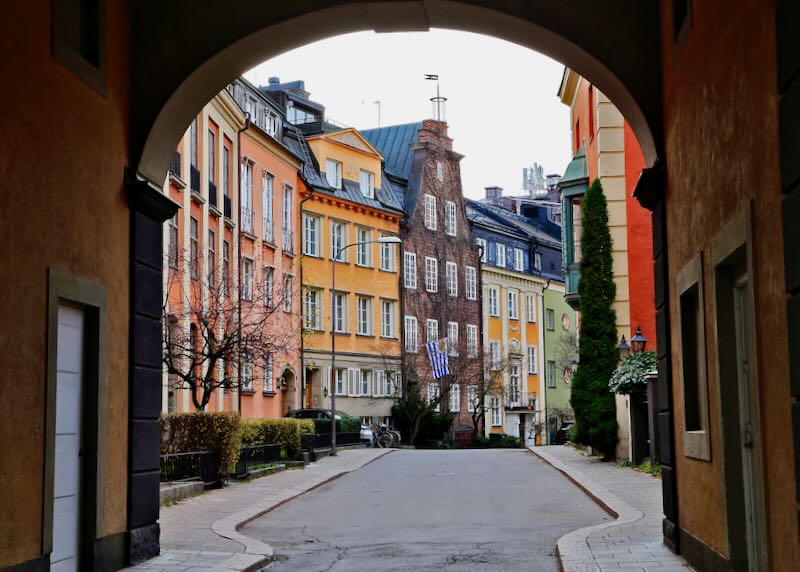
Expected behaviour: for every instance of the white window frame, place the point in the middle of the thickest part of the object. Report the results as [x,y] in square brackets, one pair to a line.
[364,315]
[439,171]
[338,241]
[483,248]
[550,374]
[537,260]
[430,212]
[450,225]
[269,382]
[247,371]
[500,254]
[494,353]
[287,292]
[431,330]
[433,393]
[452,338]
[513,305]
[451,276]
[494,301]
[472,340]
[431,274]
[386,255]
[247,279]
[267,185]
[410,270]
[311,243]
[519,260]
[313,309]
[470,282]
[530,307]
[365,382]
[340,318]
[269,286]
[340,380]
[472,397]
[514,385]
[533,360]
[364,251]
[288,191]
[367,187]
[455,398]
[333,173]
[411,341]
[387,318]
[494,406]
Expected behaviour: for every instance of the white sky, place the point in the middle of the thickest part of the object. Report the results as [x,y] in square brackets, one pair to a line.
[502,108]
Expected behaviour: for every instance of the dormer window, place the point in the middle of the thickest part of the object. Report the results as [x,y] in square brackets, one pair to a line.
[367,184]
[439,171]
[333,173]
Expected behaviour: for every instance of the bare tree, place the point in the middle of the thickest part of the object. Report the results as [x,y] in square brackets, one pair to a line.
[214,334]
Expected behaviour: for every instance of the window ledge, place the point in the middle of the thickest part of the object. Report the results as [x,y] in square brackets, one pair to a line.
[230,223]
[345,334]
[249,235]
[214,210]
[269,393]
[269,244]
[180,183]
[389,337]
[197,197]
[244,391]
[367,266]
[365,335]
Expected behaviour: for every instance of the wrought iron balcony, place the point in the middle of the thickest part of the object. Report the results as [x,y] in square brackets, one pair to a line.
[194,182]
[288,241]
[247,220]
[269,230]
[212,194]
[175,165]
[227,206]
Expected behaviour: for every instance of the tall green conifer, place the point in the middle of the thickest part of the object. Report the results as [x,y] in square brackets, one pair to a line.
[592,402]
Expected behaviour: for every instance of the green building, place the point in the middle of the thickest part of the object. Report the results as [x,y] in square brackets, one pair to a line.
[560,356]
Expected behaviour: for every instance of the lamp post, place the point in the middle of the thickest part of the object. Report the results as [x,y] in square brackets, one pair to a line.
[638,341]
[623,348]
[381,240]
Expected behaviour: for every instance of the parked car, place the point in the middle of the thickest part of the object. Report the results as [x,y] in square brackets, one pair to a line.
[325,414]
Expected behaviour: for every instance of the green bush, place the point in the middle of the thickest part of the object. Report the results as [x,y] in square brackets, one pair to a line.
[218,432]
[481,442]
[343,425]
[630,377]
[285,432]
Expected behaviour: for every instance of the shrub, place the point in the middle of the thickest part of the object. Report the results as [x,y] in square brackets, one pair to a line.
[285,432]
[218,432]
[343,425]
[630,376]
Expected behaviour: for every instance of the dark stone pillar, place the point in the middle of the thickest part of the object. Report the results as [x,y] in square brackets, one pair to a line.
[149,209]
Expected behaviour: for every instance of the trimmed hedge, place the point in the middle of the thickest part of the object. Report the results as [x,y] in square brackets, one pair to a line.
[285,432]
[343,425]
[201,431]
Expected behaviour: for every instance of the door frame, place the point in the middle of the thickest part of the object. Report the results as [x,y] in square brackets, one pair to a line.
[67,289]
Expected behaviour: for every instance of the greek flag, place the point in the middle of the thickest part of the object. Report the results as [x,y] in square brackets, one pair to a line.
[437,354]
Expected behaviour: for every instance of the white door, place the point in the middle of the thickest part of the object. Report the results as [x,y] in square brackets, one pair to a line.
[67,470]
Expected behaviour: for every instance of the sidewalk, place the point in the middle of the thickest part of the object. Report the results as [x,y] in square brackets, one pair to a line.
[634,540]
[200,533]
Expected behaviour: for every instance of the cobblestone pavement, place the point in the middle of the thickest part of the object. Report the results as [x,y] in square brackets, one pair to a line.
[200,533]
[634,540]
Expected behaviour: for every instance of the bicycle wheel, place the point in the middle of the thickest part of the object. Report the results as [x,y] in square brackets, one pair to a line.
[396,439]
[385,440]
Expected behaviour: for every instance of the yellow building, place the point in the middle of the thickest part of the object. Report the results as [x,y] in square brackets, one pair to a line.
[348,211]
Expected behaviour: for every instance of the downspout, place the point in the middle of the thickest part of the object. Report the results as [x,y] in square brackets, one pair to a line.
[479,293]
[544,353]
[245,127]
[303,383]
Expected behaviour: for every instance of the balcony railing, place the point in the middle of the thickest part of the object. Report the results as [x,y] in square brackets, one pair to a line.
[572,277]
[194,182]
[269,231]
[212,194]
[175,166]
[288,241]
[227,207]
[247,220]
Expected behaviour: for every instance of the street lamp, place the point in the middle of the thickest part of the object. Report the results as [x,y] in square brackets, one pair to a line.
[337,255]
[638,341]
[623,348]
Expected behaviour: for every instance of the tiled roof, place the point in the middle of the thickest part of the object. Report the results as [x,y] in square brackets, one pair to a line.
[394,143]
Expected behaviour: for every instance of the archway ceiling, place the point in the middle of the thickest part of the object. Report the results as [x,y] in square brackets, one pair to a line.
[185,51]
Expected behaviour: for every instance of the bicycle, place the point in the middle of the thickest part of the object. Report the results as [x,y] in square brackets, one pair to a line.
[384,437]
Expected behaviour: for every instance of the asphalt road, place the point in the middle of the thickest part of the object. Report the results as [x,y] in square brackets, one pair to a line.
[430,510]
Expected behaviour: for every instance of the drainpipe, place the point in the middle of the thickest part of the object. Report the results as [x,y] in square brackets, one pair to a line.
[544,353]
[245,127]
[303,380]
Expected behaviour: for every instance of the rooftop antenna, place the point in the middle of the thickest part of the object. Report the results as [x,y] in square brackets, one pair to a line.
[378,103]
[438,101]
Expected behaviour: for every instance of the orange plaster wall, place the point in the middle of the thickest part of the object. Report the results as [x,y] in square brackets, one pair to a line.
[721,126]
[580,116]
[64,207]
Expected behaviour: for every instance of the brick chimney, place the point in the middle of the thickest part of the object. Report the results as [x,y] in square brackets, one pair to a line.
[435,132]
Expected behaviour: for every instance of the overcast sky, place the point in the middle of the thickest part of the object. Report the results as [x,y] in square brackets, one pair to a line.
[502,108]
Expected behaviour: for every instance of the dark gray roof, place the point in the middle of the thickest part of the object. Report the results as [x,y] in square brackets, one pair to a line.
[492,216]
[394,143]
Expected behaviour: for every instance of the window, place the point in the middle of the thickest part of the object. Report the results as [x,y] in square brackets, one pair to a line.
[247,372]
[452,338]
[472,340]
[341,380]
[519,259]
[364,251]
[431,330]
[494,352]
[431,274]
[226,171]
[193,143]
[450,218]
[367,184]
[354,382]
[410,270]
[338,234]
[533,366]
[550,319]
[311,235]
[550,374]
[494,406]
[455,398]
[366,382]
[212,158]
[313,309]
[494,307]
[433,394]
[364,316]
[500,254]
[226,266]
[439,171]
[481,242]
[247,197]
[287,211]
[387,256]
[430,212]
[537,260]
[411,334]
[269,386]
[194,261]
[269,276]
[451,275]
[266,197]
[513,305]
[212,260]
[530,307]
[287,294]
[471,282]
[387,318]
[247,279]
[340,313]
[513,386]
[333,173]
[472,398]
[173,242]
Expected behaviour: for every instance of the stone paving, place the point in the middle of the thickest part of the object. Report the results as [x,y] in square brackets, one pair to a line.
[201,533]
[634,540]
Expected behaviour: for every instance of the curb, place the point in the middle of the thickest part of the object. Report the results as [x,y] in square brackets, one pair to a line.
[256,553]
[573,551]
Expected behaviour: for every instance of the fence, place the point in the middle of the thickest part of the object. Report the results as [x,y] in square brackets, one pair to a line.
[256,457]
[195,465]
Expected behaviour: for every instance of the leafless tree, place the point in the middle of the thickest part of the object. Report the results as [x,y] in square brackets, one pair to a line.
[215,333]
